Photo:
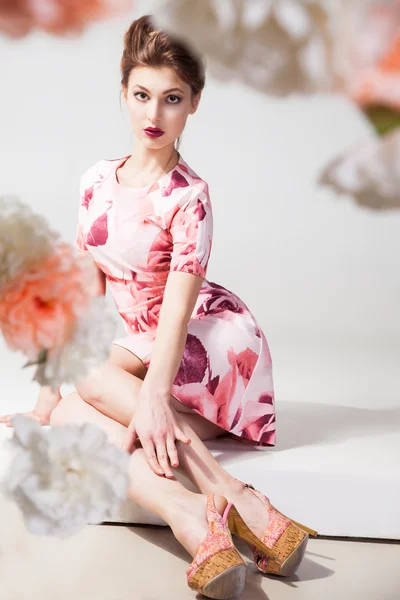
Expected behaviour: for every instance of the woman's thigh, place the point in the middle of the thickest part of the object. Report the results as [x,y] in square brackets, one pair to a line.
[113,389]
[128,361]
[73,409]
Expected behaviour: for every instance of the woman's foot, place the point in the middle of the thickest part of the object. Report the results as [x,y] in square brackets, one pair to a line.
[250,508]
[189,522]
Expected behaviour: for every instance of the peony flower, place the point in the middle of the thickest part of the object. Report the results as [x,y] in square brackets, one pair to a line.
[275,46]
[19,17]
[366,52]
[25,240]
[65,477]
[88,348]
[219,299]
[370,172]
[38,310]
[282,47]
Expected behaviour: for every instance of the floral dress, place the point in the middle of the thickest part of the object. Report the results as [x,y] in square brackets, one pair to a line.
[136,237]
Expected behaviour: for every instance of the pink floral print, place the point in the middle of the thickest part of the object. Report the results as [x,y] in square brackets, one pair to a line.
[217,540]
[137,236]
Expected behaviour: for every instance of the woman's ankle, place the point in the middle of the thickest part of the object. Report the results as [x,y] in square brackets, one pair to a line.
[178,507]
[231,488]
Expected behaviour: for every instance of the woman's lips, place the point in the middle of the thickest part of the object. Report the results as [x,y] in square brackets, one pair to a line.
[154,132]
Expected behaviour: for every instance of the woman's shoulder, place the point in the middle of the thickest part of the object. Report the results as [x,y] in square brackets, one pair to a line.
[193,181]
[99,170]
[192,176]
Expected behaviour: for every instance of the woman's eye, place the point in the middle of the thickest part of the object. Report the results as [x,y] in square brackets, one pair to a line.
[177,99]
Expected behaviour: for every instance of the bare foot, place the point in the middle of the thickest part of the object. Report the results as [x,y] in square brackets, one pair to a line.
[43,419]
[190,525]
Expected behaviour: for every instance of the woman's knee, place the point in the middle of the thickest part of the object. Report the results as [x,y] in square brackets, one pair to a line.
[68,404]
[91,389]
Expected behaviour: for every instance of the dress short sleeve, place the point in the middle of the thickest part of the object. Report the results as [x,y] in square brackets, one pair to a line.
[79,239]
[191,230]
[90,178]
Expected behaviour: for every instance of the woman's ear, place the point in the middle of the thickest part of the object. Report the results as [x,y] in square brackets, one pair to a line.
[124,93]
[195,103]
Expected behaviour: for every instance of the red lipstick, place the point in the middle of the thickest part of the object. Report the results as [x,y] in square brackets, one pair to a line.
[154,132]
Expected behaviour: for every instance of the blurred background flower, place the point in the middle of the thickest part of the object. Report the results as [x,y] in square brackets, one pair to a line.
[49,308]
[19,17]
[64,478]
[282,47]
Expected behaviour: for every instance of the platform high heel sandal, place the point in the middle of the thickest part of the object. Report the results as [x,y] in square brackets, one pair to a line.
[217,570]
[284,537]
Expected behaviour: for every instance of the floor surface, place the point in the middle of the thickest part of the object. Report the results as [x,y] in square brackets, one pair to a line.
[123,562]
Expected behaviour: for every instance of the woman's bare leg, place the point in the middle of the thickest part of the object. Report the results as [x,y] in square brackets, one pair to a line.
[183,510]
[113,392]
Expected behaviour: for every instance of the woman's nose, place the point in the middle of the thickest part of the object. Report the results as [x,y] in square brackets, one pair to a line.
[154,113]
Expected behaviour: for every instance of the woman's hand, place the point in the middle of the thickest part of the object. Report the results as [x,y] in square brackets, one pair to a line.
[46,403]
[155,425]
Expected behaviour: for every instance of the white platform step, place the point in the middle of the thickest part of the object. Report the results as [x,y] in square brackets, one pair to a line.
[340,488]
[335,467]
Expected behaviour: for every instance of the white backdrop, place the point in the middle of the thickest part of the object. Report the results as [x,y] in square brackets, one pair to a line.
[320,274]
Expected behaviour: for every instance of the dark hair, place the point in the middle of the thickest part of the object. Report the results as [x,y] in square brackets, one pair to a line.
[146,46]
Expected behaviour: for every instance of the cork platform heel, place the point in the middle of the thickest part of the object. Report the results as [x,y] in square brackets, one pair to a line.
[217,570]
[285,539]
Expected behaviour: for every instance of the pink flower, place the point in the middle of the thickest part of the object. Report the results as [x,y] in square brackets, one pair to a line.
[218,300]
[246,362]
[223,406]
[39,310]
[145,317]
[367,52]
[19,17]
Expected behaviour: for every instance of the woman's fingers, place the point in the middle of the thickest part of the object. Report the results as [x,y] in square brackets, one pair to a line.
[163,458]
[179,435]
[148,447]
[172,452]
[130,438]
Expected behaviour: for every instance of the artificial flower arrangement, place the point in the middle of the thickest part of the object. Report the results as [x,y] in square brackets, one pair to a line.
[66,477]
[50,309]
[285,47]
[59,17]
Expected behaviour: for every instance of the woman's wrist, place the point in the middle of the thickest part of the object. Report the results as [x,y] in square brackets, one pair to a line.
[156,391]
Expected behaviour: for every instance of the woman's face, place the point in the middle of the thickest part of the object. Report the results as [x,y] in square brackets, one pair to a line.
[156,97]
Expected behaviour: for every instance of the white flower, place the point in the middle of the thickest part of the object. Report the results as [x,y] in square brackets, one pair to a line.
[276,46]
[88,348]
[370,172]
[65,477]
[281,47]
[25,239]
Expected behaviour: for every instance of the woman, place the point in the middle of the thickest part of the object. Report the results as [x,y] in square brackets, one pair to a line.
[194,363]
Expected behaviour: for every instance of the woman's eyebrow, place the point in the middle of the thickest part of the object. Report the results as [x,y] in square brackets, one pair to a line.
[175,89]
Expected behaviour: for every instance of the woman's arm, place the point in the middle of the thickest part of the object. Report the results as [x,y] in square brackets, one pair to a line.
[101,278]
[191,232]
[180,295]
